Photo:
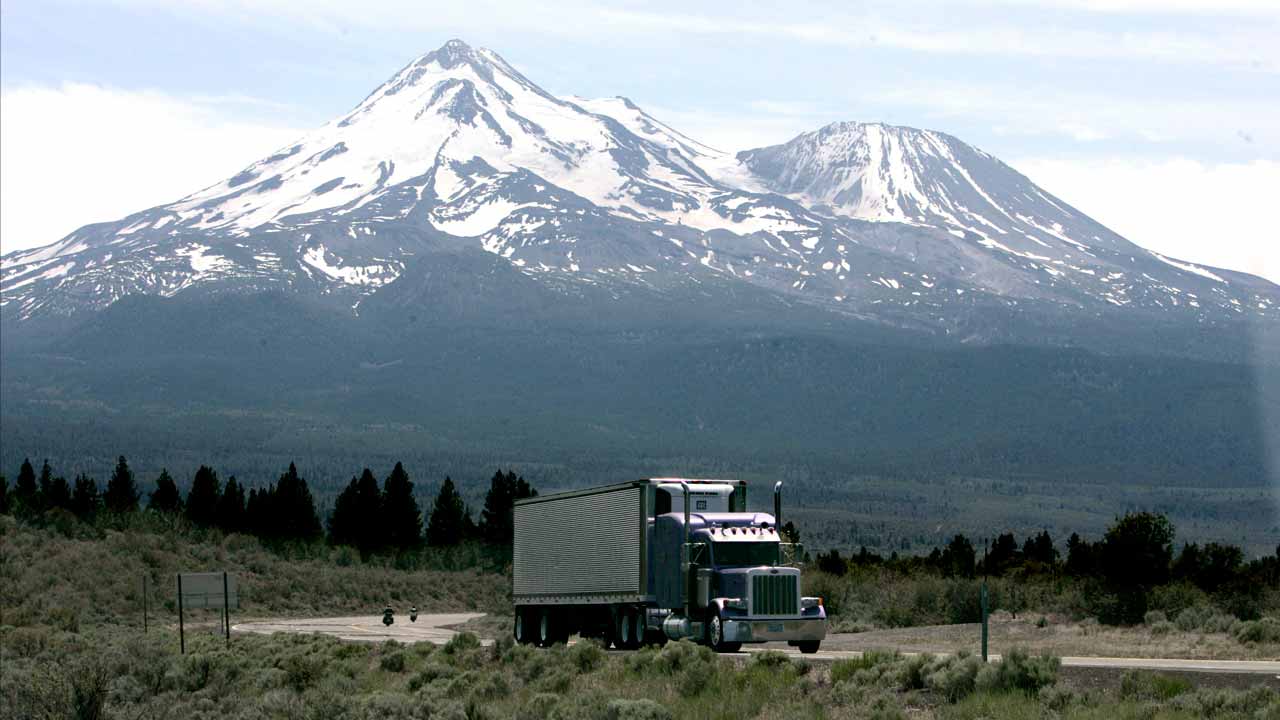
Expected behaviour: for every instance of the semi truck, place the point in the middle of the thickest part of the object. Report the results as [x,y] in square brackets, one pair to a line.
[647,561]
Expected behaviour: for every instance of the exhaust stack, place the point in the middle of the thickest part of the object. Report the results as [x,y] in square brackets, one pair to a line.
[777,506]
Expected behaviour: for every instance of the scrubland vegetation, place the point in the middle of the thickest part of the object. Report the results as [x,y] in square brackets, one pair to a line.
[71,640]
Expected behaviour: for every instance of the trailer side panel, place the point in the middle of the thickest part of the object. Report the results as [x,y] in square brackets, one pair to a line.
[583,545]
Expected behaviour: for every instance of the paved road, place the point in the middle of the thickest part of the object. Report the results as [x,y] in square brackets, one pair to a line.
[368,628]
[435,628]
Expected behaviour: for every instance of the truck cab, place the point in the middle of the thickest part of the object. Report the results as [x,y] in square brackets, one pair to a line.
[740,584]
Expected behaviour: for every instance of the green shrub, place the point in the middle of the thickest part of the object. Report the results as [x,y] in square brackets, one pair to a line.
[557,681]
[770,659]
[301,671]
[1162,628]
[695,677]
[490,686]
[953,677]
[1266,630]
[643,709]
[1148,686]
[538,707]
[1019,671]
[844,670]
[461,642]
[1154,616]
[1173,598]
[912,674]
[393,662]
[587,656]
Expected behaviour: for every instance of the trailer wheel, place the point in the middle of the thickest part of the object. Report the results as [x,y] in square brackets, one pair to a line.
[524,626]
[546,628]
[623,634]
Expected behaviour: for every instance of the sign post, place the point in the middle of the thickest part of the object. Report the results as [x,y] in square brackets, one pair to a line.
[210,591]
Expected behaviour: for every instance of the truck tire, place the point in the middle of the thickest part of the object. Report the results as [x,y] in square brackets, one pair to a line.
[546,632]
[523,629]
[715,636]
[808,647]
[624,635]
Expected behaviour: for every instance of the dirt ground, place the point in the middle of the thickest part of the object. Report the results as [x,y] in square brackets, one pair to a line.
[1059,636]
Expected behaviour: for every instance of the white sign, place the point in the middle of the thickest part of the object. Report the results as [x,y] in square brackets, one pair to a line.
[205,590]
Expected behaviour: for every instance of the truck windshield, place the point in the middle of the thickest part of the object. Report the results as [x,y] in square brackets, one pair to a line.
[745,553]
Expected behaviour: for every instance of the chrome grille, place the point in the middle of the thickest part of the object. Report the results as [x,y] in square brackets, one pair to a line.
[774,595]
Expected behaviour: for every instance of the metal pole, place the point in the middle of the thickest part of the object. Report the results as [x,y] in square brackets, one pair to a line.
[182,632]
[226,608]
[984,621]
[144,603]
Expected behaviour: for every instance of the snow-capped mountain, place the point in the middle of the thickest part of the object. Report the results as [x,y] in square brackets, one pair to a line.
[458,149]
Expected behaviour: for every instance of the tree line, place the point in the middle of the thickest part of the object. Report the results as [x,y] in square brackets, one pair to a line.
[1134,557]
[366,516]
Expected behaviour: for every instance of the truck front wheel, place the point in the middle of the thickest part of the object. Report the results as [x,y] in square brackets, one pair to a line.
[715,636]
[808,647]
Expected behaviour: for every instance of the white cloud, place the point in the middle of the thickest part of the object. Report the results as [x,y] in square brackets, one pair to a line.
[1215,214]
[77,154]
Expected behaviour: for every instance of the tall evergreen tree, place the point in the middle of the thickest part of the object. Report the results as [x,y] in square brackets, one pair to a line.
[165,497]
[449,517]
[122,492]
[202,499]
[45,485]
[230,515]
[59,494]
[24,489]
[368,506]
[402,518]
[4,495]
[293,509]
[257,512]
[85,500]
[344,520]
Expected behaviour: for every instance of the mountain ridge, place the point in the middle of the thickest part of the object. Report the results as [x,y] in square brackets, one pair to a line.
[906,227]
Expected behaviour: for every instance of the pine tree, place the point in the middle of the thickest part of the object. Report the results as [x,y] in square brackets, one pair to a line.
[165,497]
[84,498]
[58,495]
[449,517]
[46,486]
[343,521]
[24,489]
[202,499]
[122,493]
[230,515]
[368,513]
[402,518]
[257,512]
[497,521]
[294,511]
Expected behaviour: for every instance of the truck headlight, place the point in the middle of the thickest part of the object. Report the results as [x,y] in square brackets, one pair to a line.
[810,602]
[736,603]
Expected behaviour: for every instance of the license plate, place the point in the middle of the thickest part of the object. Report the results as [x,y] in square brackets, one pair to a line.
[775,627]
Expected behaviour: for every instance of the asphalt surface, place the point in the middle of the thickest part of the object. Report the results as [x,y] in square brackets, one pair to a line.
[435,628]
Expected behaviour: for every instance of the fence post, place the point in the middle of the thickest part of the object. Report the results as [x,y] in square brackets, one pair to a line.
[182,633]
[984,621]
[226,608]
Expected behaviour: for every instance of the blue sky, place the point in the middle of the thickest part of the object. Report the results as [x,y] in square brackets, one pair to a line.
[1161,119]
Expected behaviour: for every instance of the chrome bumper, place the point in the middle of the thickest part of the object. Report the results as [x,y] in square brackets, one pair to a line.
[748,630]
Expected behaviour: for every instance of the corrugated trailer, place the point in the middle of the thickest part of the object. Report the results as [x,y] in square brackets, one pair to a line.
[589,546]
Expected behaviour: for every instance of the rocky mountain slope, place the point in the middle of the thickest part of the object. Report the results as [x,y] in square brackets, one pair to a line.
[902,227]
